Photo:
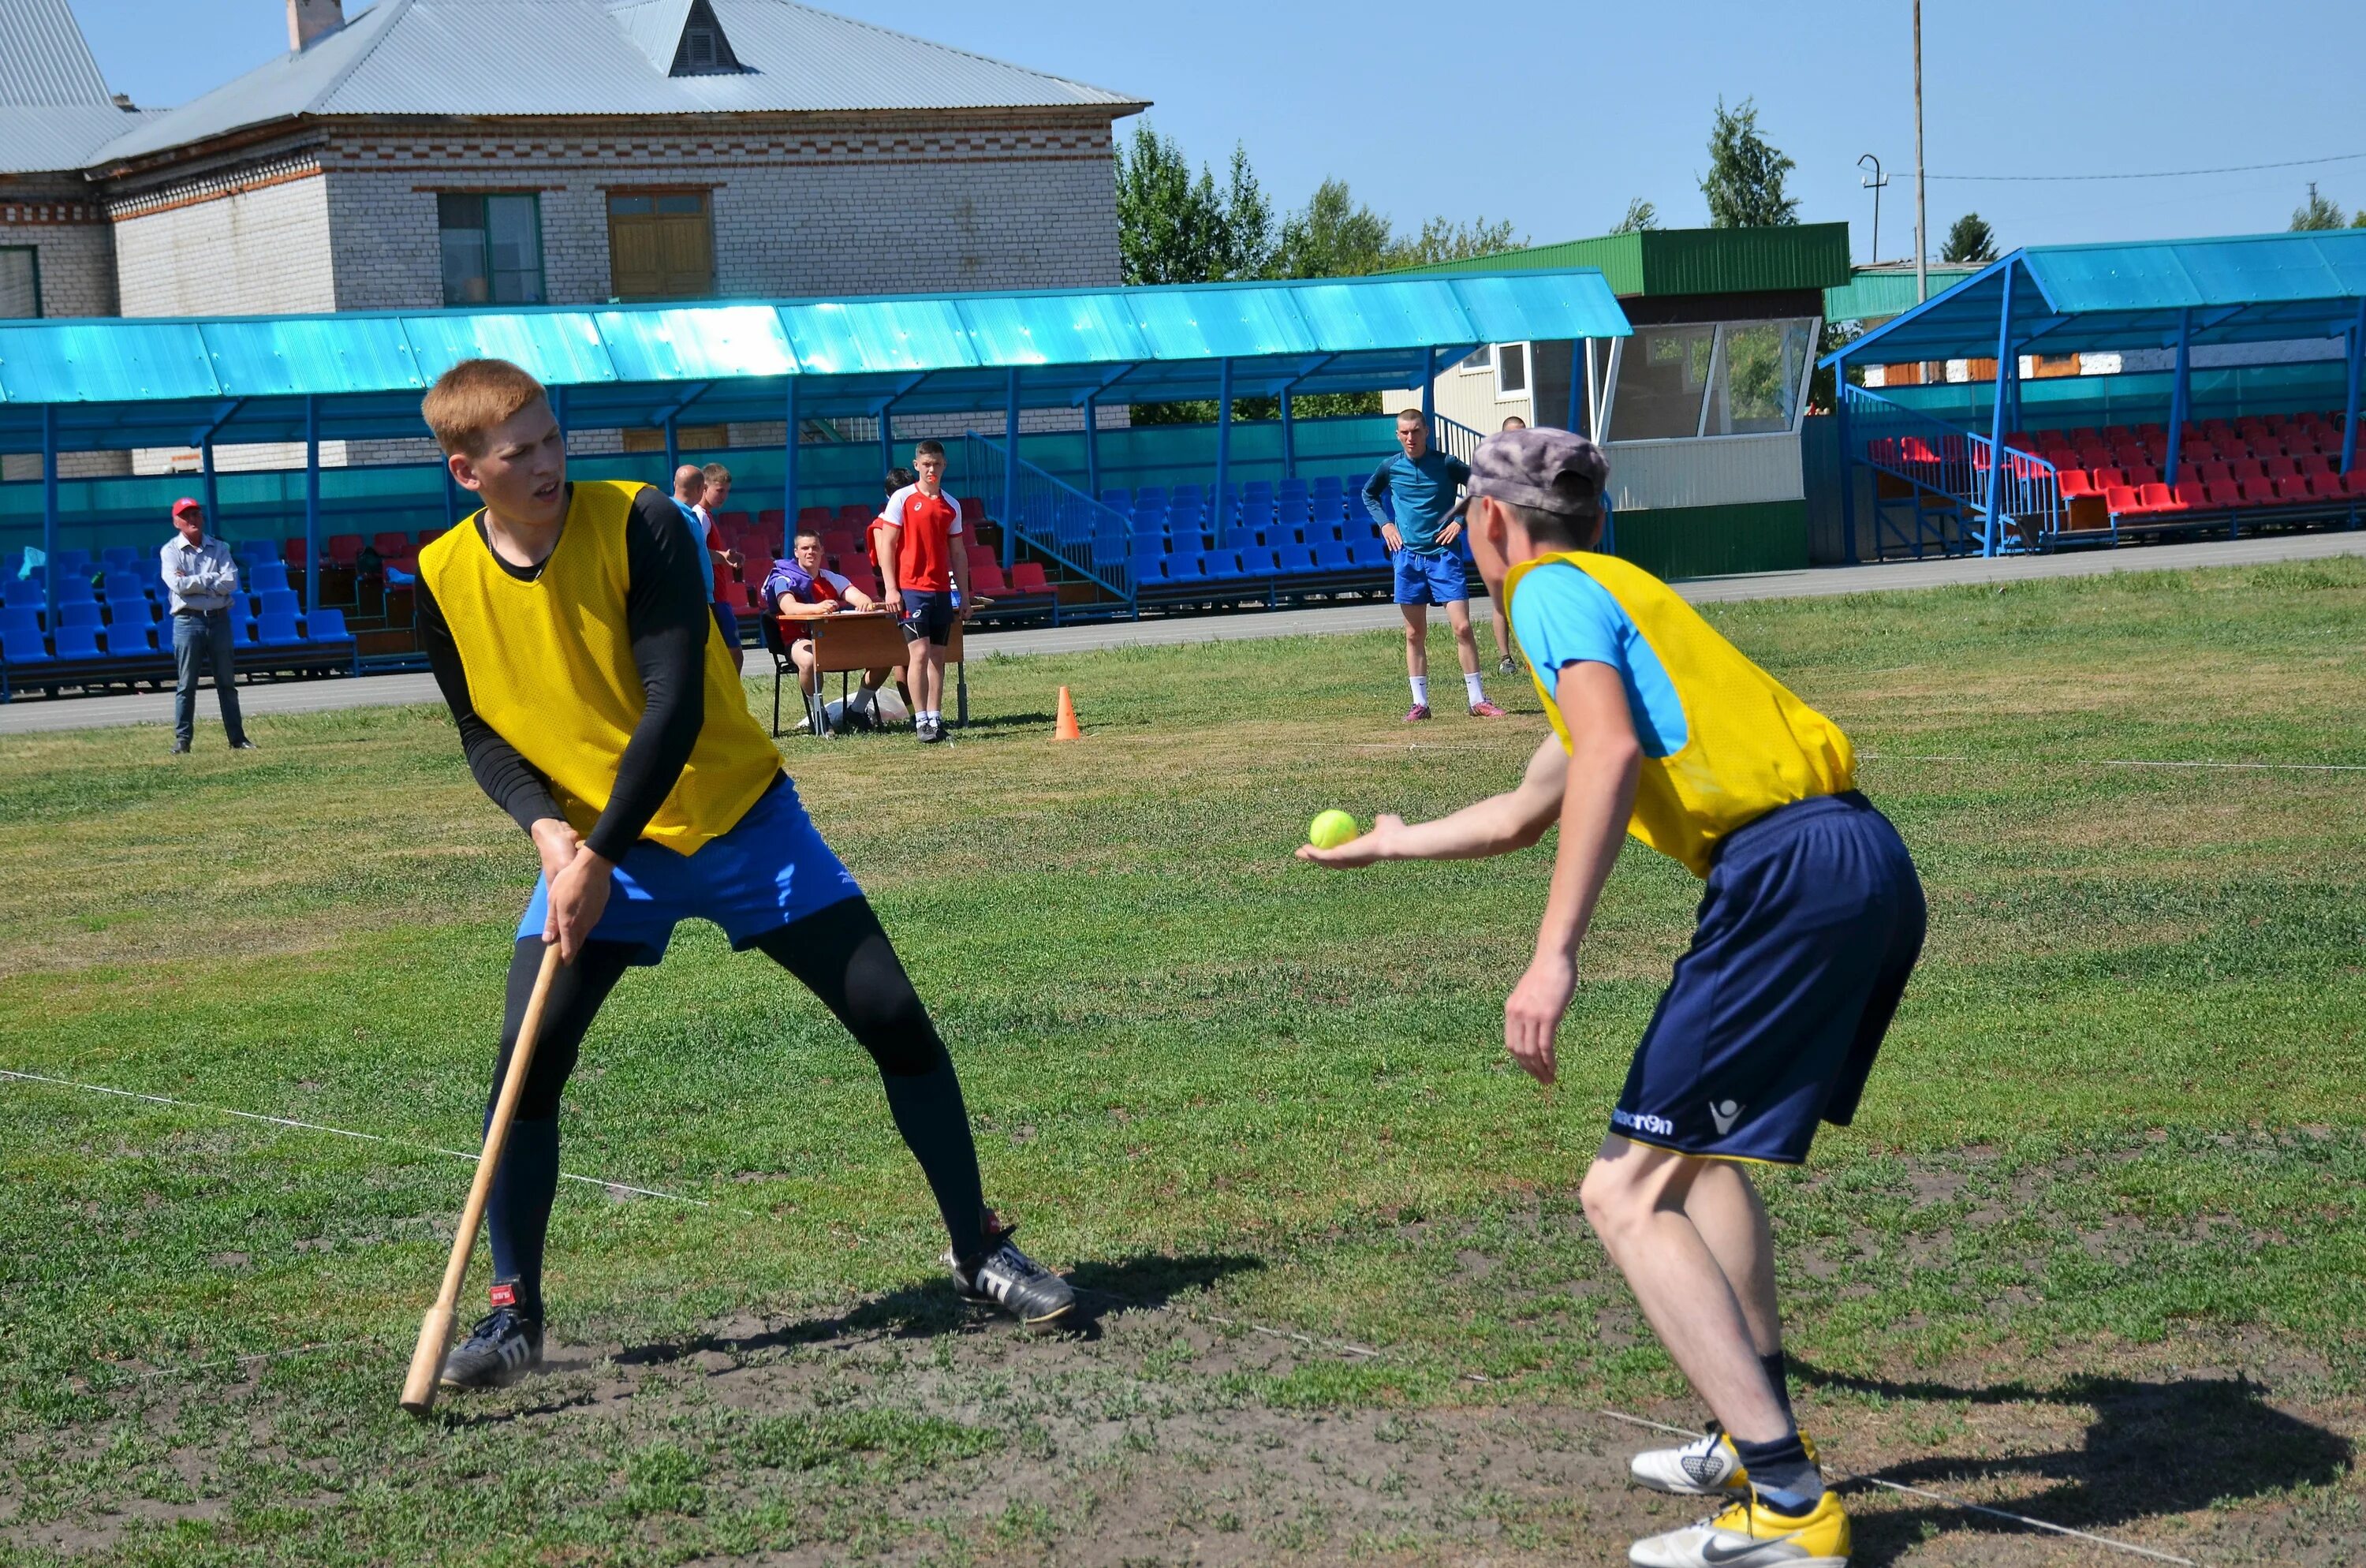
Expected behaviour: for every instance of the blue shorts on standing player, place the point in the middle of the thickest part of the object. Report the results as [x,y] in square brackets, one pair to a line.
[771,869]
[1812,923]
[1430,576]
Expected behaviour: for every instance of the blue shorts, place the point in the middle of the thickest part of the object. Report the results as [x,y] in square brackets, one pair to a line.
[771,869]
[928,615]
[1812,922]
[1430,578]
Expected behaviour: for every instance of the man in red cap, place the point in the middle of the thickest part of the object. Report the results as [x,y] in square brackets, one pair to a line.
[203,581]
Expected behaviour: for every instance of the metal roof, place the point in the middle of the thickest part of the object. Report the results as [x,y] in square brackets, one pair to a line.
[2075,299]
[1646,263]
[460,57]
[58,138]
[1875,293]
[145,381]
[43,57]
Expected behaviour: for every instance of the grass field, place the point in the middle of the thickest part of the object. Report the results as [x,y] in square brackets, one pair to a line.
[2091,1252]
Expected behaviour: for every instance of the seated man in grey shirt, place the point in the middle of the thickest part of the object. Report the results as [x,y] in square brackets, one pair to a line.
[201,577]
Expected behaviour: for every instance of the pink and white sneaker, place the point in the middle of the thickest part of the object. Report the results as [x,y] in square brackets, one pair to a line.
[1417,713]
[1482,708]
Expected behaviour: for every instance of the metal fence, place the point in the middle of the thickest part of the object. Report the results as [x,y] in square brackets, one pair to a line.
[1944,459]
[1051,517]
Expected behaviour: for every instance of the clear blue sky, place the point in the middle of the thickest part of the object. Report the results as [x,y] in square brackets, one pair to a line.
[1554,112]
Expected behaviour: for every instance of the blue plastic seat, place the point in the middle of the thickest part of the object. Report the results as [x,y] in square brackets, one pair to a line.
[1117,499]
[1193,494]
[22,619]
[1150,496]
[1296,558]
[28,590]
[1330,555]
[277,602]
[279,629]
[120,558]
[73,588]
[266,576]
[125,641]
[325,625]
[1220,566]
[79,613]
[77,642]
[21,647]
[76,560]
[242,629]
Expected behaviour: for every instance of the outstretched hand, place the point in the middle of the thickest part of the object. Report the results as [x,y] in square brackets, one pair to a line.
[1362,849]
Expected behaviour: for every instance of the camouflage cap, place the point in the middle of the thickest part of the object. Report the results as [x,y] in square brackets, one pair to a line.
[1550,470]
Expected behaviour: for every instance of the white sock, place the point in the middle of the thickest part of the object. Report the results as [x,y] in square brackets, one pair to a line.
[1420,690]
[1470,684]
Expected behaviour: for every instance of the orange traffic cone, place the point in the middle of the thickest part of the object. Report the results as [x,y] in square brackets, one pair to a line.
[1066,727]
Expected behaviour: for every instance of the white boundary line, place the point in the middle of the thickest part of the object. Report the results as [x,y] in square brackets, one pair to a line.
[2125,762]
[1338,1347]
[1935,1497]
[348,1133]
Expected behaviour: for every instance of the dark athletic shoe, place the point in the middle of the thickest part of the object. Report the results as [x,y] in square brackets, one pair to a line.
[501,1349]
[1506,667]
[1010,1280]
[244,746]
[930,733]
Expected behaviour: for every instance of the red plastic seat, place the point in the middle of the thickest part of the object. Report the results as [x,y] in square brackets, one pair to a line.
[2224,494]
[2213,470]
[2078,481]
[973,510]
[2157,497]
[2315,464]
[2122,500]
[2353,483]
[1027,576]
[2189,496]
[987,578]
[343,548]
[2105,478]
[2260,492]
[2141,474]
[2246,470]
[389,545]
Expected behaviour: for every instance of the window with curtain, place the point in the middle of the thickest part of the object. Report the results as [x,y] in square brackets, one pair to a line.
[493,248]
[20,282]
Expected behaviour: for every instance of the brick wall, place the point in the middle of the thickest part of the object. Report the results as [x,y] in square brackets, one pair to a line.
[255,240]
[867,206]
[65,226]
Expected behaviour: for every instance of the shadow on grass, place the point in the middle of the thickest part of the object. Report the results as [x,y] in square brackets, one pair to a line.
[2152,1448]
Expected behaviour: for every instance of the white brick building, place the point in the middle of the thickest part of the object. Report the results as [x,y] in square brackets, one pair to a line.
[692,149]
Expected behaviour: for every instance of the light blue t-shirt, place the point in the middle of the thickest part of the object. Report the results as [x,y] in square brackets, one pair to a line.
[1563,617]
[705,561]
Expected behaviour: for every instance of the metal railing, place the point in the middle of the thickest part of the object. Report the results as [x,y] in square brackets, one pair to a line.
[1930,453]
[1052,517]
[1456,440]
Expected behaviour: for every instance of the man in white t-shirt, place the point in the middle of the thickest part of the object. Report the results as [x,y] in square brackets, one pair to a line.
[803,589]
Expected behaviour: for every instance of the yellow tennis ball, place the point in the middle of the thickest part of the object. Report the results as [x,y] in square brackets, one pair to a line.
[1331,830]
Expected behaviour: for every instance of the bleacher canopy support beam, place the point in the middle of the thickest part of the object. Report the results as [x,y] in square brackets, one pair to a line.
[1584,345]
[50,511]
[1010,470]
[1223,442]
[1848,461]
[2008,370]
[2181,393]
[673,449]
[311,503]
[2350,404]
[1093,445]
[1429,389]
[1289,439]
[789,461]
[212,489]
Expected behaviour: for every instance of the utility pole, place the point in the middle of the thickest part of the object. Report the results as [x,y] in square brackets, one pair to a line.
[1921,234]
[1874,184]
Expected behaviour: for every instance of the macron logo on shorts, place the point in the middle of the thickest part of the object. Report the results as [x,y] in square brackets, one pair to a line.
[1658,1126]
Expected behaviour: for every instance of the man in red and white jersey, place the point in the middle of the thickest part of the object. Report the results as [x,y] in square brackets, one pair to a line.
[927,574]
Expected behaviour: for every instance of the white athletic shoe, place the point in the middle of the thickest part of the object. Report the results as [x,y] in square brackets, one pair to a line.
[1706,1467]
[1752,1535]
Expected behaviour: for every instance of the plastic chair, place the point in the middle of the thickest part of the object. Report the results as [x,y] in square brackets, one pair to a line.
[77,642]
[80,613]
[276,601]
[242,630]
[19,646]
[126,641]
[326,626]
[279,630]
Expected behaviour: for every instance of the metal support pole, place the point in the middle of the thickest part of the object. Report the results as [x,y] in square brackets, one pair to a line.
[558,412]
[2180,394]
[1922,239]
[212,490]
[1223,445]
[1577,383]
[789,463]
[311,504]
[886,437]
[1992,536]
[1010,470]
[1429,390]
[1093,445]
[50,511]
[1848,464]
[1593,396]
[673,452]
[2350,408]
[1289,439]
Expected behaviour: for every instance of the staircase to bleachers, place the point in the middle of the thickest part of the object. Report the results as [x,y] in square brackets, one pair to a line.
[1932,486]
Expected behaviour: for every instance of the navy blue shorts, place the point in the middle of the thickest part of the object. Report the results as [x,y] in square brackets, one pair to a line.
[928,615]
[771,870]
[1434,579]
[1812,922]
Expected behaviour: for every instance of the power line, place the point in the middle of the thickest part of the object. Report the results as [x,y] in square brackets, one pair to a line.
[2161,175]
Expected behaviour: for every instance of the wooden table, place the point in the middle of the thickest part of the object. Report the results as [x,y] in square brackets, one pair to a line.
[845,643]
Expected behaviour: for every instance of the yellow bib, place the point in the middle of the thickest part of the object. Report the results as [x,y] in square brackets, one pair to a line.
[1750,745]
[550,668]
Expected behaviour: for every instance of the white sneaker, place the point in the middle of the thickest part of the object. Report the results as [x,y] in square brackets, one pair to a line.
[1706,1467]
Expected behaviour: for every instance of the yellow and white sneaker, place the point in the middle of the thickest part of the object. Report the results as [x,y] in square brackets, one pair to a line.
[1752,1535]
[1706,1467]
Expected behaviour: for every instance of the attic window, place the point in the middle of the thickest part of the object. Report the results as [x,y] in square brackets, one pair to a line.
[704,49]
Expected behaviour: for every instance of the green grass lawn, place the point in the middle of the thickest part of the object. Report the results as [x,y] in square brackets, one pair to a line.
[2090,1252]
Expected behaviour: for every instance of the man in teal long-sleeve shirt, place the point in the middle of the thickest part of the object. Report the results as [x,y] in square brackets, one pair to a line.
[1420,484]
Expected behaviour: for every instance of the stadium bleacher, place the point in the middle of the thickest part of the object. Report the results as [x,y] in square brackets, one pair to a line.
[2269,468]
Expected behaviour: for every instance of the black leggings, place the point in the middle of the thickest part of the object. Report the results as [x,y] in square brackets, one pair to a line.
[840,954]
[843,957]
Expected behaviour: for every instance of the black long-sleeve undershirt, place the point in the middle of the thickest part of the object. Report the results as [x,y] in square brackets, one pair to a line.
[667,623]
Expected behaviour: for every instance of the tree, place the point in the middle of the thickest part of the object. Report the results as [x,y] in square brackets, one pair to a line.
[1173,227]
[1443,239]
[1640,215]
[1971,240]
[1334,236]
[2316,212]
[1744,187]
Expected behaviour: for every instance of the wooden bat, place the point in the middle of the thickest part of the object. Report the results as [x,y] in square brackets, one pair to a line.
[436,1329]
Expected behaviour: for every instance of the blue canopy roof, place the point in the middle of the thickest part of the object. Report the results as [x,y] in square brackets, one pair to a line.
[117,383]
[2076,299]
